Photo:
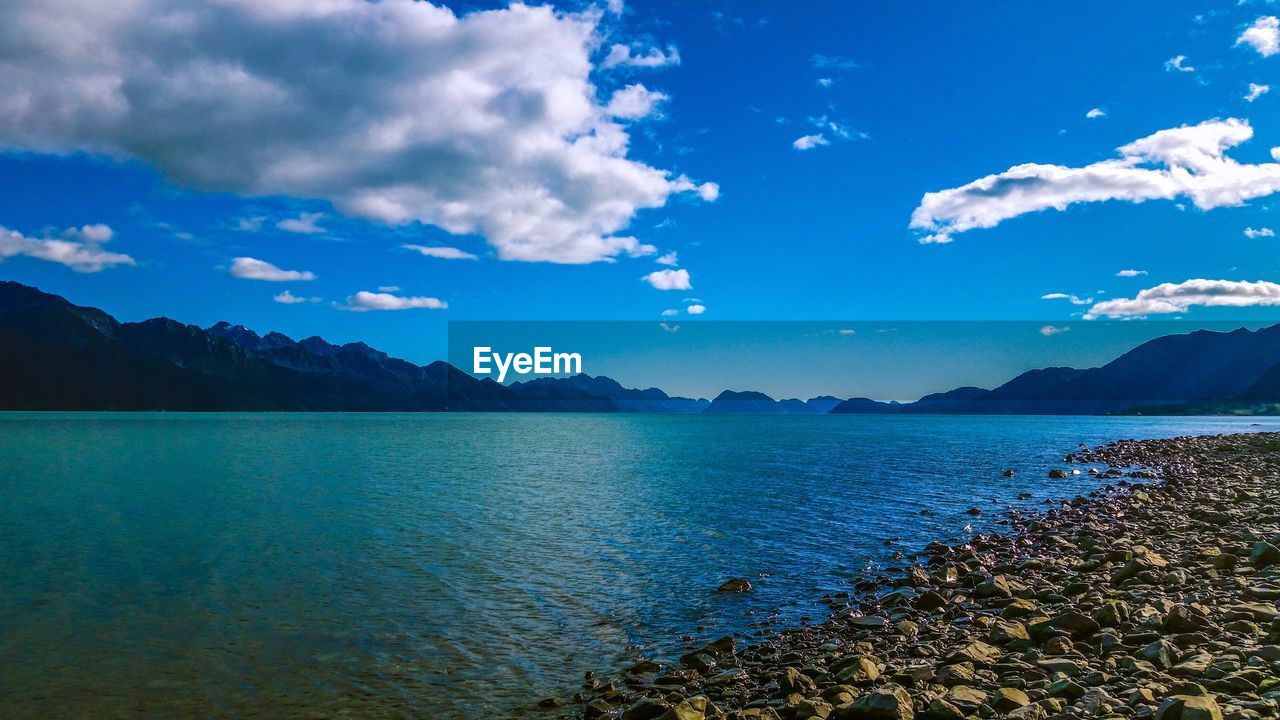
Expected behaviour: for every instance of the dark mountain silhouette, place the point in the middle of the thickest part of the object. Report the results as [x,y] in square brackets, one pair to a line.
[1201,371]
[591,391]
[58,356]
[750,401]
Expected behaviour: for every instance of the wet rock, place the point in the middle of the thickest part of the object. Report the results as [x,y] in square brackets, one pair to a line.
[735,585]
[646,709]
[694,708]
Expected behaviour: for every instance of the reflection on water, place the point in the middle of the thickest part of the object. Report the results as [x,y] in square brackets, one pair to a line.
[375,566]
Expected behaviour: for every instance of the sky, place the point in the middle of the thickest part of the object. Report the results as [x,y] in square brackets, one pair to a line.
[373,171]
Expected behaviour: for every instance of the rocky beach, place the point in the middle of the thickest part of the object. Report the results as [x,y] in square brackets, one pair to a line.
[1153,597]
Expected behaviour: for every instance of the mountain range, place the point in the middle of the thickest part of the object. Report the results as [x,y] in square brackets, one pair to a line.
[55,355]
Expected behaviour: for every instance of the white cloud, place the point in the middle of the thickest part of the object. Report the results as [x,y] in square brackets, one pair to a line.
[1178,64]
[1256,91]
[668,259]
[78,248]
[835,62]
[1051,330]
[670,313]
[1131,273]
[250,224]
[364,301]
[825,82]
[1252,233]
[808,142]
[615,7]
[1096,113]
[398,111]
[1186,161]
[1063,296]
[1263,35]
[96,233]
[1178,297]
[669,279]
[289,298]
[441,252]
[305,224]
[389,288]
[623,56]
[696,309]
[247,268]
[634,102]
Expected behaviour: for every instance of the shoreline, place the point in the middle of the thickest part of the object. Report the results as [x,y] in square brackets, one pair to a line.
[1153,600]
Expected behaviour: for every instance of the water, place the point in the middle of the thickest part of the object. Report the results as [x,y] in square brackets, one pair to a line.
[388,566]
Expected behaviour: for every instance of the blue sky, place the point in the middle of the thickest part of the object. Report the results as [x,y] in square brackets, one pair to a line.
[322,144]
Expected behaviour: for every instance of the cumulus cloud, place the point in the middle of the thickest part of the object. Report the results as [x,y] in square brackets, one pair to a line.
[1051,330]
[634,102]
[1096,113]
[441,252]
[396,111]
[247,268]
[696,309]
[625,56]
[1263,35]
[1178,297]
[78,248]
[809,142]
[1256,91]
[1252,233]
[289,298]
[365,301]
[1131,273]
[670,312]
[825,82]
[668,259]
[669,279]
[1063,296]
[305,224]
[1188,161]
[1177,63]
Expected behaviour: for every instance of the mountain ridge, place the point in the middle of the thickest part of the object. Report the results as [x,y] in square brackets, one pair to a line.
[60,356]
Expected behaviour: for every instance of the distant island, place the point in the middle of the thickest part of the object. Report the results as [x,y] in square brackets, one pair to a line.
[55,355]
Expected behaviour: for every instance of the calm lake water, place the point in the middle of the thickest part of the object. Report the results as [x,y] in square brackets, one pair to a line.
[387,566]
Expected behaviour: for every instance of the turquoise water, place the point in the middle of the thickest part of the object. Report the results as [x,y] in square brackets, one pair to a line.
[386,566]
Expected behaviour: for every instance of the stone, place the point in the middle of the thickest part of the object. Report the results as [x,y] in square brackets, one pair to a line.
[997,586]
[857,668]
[965,697]
[1004,633]
[1066,688]
[1264,554]
[1189,707]
[1076,623]
[940,709]
[794,681]
[646,708]
[888,702]
[735,585]
[694,708]
[1008,699]
[806,709]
